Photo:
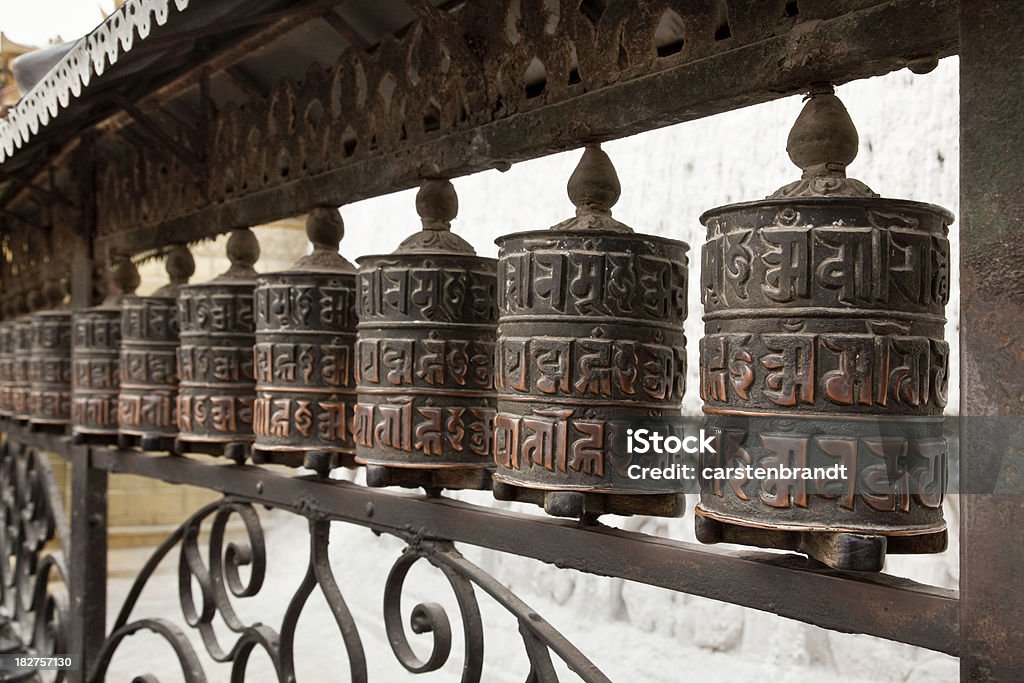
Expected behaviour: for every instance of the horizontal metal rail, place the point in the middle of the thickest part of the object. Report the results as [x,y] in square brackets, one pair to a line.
[858,44]
[880,605]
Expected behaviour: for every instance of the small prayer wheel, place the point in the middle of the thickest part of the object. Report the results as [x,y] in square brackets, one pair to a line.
[590,345]
[824,349]
[305,345]
[424,356]
[21,350]
[50,360]
[217,386]
[7,341]
[95,351]
[147,403]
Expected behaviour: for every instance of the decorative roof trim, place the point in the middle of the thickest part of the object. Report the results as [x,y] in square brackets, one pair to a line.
[90,56]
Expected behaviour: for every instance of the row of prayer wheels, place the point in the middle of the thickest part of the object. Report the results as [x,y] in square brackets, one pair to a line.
[529,375]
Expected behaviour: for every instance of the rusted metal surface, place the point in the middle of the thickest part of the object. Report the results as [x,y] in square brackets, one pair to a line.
[305,353]
[217,385]
[95,351]
[991,341]
[824,344]
[147,402]
[590,344]
[425,354]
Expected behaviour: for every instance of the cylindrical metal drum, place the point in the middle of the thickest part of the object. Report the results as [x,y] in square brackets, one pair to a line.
[424,357]
[305,339]
[95,350]
[6,364]
[147,410]
[21,350]
[590,344]
[217,386]
[50,368]
[824,368]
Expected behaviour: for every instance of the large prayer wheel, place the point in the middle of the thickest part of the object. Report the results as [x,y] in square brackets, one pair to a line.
[147,403]
[424,356]
[304,354]
[824,348]
[590,345]
[217,386]
[95,351]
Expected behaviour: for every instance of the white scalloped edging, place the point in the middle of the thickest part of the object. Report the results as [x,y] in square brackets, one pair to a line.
[90,55]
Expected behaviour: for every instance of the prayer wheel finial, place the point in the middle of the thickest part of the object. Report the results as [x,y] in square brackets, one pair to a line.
[437,205]
[243,250]
[180,264]
[823,142]
[594,186]
[325,229]
[123,279]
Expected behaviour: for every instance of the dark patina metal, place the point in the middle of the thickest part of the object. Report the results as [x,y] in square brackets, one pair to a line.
[424,357]
[95,350]
[217,386]
[305,345]
[146,408]
[590,343]
[824,315]
[50,360]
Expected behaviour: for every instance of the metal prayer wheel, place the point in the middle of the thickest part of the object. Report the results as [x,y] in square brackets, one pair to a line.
[305,343]
[7,341]
[824,323]
[95,351]
[217,386]
[6,359]
[20,364]
[50,362]
[147,402]
[590,344]
[424,356]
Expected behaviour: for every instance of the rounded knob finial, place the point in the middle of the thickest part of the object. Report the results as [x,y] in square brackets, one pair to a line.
[325,228]
[823,140]
[180,264]
[124,276]
[437,204]
[594,186]
[53,291]
[243,248]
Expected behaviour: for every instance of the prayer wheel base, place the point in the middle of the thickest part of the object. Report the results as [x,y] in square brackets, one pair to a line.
[578,504]
[322,461]
[452,478]
[146,442]
[93,438]
[48,427]
[845,550]
[239,451]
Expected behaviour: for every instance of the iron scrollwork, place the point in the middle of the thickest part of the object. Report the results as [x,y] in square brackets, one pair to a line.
[207,588]
[33,579]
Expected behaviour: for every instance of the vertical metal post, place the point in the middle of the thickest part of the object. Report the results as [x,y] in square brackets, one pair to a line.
[88,558]
[88,561]
[991,339]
